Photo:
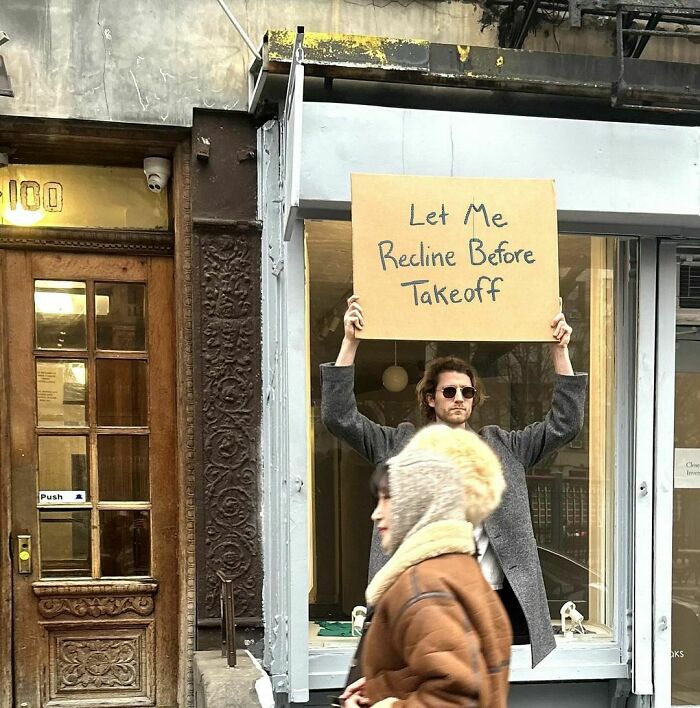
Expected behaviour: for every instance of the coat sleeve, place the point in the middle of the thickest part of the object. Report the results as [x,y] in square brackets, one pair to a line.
[340,415]
[562,423]
[443,651]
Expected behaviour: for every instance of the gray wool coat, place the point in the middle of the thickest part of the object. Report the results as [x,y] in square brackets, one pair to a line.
[509,528]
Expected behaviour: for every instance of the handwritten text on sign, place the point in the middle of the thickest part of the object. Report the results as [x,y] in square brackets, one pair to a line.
[453,259]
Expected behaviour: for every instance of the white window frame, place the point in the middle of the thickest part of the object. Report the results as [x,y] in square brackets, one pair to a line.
[664,408]
[572,660]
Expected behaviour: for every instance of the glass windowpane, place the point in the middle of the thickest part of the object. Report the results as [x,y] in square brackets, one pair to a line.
[60,314]
[122,394]
[61,388]
[125,542]
[120,316]
[63,464]
[571,493]
[685,617]
[122,464]
[65,543]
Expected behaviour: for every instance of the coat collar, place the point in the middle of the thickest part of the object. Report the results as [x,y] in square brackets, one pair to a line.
[436,539]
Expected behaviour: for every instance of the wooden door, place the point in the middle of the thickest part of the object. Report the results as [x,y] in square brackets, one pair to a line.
[90,365]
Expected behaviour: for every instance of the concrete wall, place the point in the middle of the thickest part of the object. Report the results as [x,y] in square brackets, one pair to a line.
[152,61]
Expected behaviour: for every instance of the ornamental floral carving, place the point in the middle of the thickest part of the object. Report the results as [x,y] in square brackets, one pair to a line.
[90,664]
[109,606]
[229,427]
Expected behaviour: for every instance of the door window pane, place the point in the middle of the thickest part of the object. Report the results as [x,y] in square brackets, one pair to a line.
[65,543]
[685,619]
[122,393]
[63,463]
[59,311]
[120,316]
[571,493]
[122,464]
[125,542]
[61,393]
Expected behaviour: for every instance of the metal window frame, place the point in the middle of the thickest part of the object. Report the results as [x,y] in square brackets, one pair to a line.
[283,439]
[296,671]
[664,411]
[642,650]
[571,661]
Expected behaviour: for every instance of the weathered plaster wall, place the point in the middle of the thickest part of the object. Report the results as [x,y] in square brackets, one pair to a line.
[152,61]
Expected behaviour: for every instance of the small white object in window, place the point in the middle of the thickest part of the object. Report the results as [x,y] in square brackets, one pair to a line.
[569,612]
[359,613]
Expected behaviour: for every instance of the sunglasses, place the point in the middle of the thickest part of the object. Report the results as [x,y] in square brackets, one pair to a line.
[468,392]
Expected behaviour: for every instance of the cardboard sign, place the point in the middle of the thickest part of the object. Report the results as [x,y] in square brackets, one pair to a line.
[442,258]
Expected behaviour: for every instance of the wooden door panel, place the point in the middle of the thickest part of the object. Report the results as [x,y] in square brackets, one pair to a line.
[110,641]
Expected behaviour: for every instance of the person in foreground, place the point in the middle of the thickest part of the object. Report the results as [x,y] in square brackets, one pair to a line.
[439,635]
[448,393]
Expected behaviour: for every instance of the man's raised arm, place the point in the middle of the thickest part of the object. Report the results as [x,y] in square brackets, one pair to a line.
[564,420]
[338,405]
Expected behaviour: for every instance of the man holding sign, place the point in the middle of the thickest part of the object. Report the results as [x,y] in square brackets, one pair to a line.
[447,393]
[473,260]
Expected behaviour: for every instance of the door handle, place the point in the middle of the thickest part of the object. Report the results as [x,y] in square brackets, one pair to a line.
[24,555]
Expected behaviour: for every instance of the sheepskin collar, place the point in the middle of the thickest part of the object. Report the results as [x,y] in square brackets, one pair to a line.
[436,539]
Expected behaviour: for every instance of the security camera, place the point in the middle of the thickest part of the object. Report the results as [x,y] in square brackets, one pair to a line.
[157,171]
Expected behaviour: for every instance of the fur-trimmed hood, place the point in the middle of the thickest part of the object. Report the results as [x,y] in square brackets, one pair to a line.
[435,539]
[480,468]
[442,474]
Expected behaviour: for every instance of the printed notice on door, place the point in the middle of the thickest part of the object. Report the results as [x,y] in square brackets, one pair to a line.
[442,258]
[686,468]
[49,392]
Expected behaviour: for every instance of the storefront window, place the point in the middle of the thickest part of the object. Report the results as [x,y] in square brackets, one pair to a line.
[685,620]
[571,492]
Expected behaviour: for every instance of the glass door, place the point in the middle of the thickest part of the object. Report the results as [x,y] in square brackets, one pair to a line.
[685,623]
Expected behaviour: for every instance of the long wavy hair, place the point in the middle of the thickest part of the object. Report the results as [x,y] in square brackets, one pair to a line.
[428,384]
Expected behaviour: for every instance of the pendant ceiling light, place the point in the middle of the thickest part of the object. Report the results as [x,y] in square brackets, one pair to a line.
[395,378]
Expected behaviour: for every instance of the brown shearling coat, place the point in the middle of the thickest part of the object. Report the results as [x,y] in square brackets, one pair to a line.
[439,635]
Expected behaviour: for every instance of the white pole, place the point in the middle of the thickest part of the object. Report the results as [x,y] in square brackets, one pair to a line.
[239,29]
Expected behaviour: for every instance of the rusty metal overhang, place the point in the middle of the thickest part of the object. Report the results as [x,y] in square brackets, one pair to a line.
[647,84]
[5,86]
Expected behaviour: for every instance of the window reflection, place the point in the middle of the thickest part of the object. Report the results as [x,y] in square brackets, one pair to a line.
[120,316]
[65,543]
[122,464]
[63,463]
[60,314]
[61,393]
[122,394]
[125,542]
[685,620]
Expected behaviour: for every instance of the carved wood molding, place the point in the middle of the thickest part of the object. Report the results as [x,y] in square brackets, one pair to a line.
[95,600]
[44,588]
[141,243]
[104,606]
[186,413]
[227,344]
[94,664]
[108,662]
